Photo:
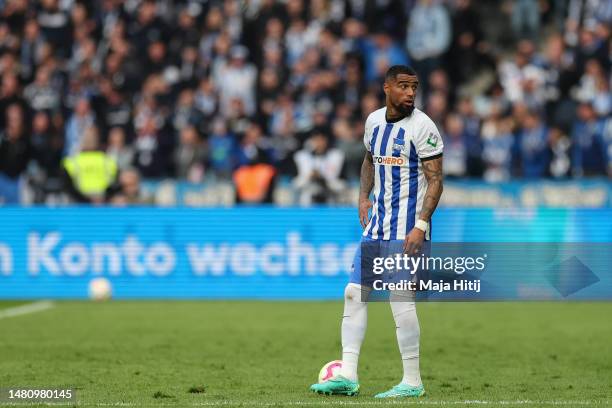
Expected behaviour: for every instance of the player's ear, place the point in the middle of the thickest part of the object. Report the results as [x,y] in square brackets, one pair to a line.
[386,88]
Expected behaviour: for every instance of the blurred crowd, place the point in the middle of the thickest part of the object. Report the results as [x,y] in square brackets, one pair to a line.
[95,96]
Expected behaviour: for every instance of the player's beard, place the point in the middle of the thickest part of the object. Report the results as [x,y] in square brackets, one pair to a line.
[406,111]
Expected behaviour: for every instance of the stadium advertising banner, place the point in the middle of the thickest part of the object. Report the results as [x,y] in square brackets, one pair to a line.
[457,193]
[288,253]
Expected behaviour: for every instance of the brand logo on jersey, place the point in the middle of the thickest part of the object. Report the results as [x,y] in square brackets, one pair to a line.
[432,140]
[389,160]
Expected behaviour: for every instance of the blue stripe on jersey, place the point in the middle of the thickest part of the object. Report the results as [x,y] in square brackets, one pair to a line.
[395,181]
[372,144]
[413,187]
[373,140]
[381,172]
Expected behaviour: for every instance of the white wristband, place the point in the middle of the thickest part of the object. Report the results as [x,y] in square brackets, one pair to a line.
[422,225]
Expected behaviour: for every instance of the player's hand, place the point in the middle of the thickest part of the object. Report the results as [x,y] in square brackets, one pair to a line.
[364,208]
[414,242]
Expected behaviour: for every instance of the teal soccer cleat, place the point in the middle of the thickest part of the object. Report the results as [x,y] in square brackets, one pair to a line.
[337,385]
[402,391]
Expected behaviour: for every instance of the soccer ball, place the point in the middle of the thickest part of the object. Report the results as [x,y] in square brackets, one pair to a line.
[330,370]
[100,289]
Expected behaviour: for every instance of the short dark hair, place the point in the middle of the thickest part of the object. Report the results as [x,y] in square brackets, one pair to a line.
[396,70]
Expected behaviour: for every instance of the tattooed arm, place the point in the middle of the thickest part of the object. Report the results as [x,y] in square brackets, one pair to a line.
[365,187]
[433,173]
[432,167]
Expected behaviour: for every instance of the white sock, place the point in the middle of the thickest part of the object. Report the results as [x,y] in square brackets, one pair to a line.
[354,323]
[408,332]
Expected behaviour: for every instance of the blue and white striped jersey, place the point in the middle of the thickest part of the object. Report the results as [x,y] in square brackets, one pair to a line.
[399,181]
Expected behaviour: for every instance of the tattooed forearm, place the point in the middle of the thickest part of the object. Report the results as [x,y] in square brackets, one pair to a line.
[433,173]
[367,177]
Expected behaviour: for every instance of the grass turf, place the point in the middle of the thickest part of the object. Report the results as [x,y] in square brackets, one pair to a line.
[268,353]
[5,304]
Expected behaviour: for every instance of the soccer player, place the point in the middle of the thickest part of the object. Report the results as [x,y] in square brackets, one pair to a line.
[403,169]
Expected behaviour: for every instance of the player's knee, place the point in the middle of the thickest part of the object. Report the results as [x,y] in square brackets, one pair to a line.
[354,292]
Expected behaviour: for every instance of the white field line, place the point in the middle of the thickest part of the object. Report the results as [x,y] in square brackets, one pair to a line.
[537,403]
[25,309]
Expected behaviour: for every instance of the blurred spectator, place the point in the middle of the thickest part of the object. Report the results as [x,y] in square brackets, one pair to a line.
[9,95]
[268,90]
[428,38]
[15,151]
[254,147]
[205,98]
[127,190]
[222,150]
[151,147]
[533,147]
[318,166]
[156,60]
[389,15]
[381,53]
[40,94]
[522,79]
[114,110]
[455,152]
[255,176]
[602,101]
[525,18]
[118,149]
[238,120]
[585,13]
[560,152]
[592,46]
[350,143]
[189,156]
[369,103]
[295,40]
[589,152]
[498,142]
[55,26]
[81,119]
[187,72]
[46,143]
[237,80]
[469,53]
[284,117]
[471,132]
[352,87]
[284,145]
[148,27]
[439,82]
[89,173]
[437,108]
[185,112]
[557,66]
[31,46]
[185,35]
[315,100]
[593,88]
[47,152]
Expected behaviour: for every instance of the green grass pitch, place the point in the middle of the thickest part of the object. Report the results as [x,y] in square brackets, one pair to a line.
[204,353]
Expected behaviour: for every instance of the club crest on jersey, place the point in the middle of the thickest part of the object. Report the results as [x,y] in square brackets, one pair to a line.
[389,160]
[398,144]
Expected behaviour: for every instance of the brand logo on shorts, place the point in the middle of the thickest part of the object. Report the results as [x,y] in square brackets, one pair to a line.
[389,160]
